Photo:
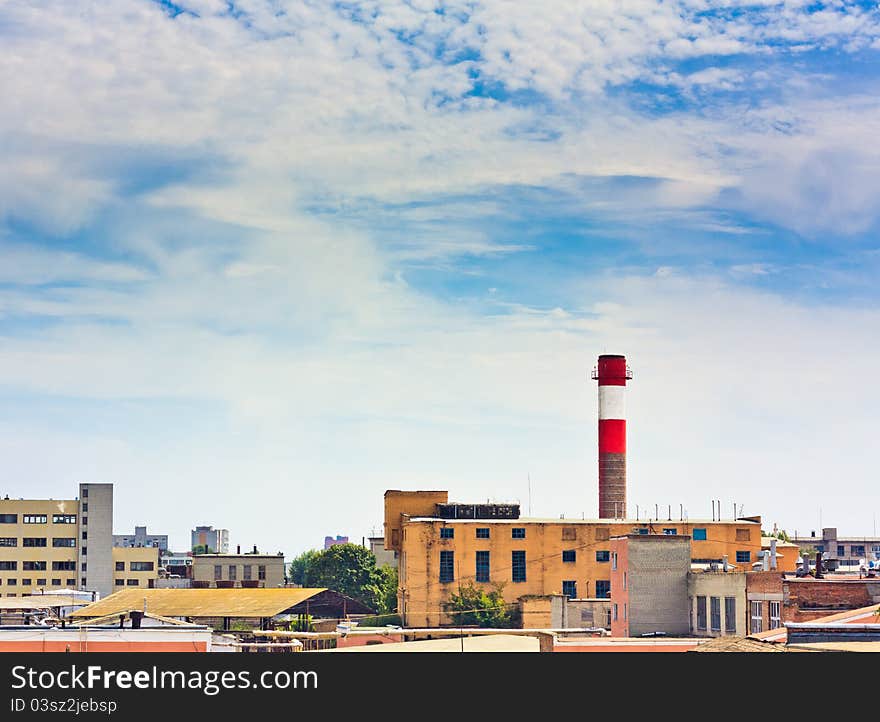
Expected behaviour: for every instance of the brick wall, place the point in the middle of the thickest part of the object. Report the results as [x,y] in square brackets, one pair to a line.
[806,599]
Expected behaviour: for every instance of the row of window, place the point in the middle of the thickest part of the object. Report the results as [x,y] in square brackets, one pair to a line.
[136,566]
[127,582]
[39,519]
[28,541]
[714,616]
[246,572]
[448,532]
[756,616]
[39,582]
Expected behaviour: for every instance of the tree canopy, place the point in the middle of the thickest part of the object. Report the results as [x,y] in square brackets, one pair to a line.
[474,606]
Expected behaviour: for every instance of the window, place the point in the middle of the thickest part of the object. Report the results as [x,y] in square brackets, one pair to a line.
[85,535]
[85,493]
[857,550]
[569,555]
[41,582]
[71,582]
[8,518]
[624,581]
[447,566]
[33,519]
[218,572]
[602,534]
[603,588]
[840,550]
[743,534]
[730,614]
[85,506]
[33,566]
[715,613]
[643,530]
[56,582]
[83,568]
[447,532]
[25,582]
[261,571]
[8,541]
[775,617]
[624,612]
[518,532]
[83,581]
[743,557]
[757,617]
[614,612]
[120,566]
[64,518]
[144,567]
[699,535]
[603,555]
[33,541]
[518,564]
[64,541]
[569,533]
[482,566]
[8,566]
[701,614]
[85,550]
[570,588]
[63,566]
[670,532]
[120,582]
[245,572]
[614,560]
[482,532]
[12,582]
[85,521]
[132,582]
[232,572]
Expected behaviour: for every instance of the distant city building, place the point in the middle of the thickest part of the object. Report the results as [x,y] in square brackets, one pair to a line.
[207,539]
[329,541]
[140,538]
[849,552]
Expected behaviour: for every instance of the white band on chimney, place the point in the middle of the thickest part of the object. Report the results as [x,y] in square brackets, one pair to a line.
[611,402]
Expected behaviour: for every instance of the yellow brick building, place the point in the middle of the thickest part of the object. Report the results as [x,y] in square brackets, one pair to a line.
[528,557]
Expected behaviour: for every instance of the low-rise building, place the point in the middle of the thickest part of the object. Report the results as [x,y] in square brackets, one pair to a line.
[848,552]
[717,602]
[384,557]
[238,570]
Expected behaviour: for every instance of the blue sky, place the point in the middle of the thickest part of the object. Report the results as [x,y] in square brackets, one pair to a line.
[261,261]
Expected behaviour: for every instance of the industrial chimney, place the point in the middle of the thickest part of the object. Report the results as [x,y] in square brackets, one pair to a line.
[612,373]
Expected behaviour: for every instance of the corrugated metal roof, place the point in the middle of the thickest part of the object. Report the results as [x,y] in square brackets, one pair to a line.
[40,601]
[201,602]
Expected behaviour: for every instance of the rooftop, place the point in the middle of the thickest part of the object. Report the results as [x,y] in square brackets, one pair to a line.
[566,522]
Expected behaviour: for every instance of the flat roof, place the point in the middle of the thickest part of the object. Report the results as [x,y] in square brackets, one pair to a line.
[486,643]
[260,602]
[566,522]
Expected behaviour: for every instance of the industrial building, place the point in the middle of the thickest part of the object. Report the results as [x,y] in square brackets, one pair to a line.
[68,543]
[238,570]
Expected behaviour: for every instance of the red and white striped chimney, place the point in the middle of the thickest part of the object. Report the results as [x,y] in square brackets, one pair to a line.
[612,374]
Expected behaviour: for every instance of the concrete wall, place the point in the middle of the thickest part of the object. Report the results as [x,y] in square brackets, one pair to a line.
[719,585]
[131,559]
[96,550]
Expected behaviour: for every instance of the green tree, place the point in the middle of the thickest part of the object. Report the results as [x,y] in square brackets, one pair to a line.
[384,590]
[473,606]
[348,569]
[298,570]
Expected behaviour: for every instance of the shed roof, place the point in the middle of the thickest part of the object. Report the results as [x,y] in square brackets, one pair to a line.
[259,602]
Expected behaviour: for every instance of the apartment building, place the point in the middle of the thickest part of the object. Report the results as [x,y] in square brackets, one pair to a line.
[441,545]
[141,538]
[68,543]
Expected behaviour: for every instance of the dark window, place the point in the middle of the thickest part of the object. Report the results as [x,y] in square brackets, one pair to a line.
[33,541]
[33,518]
[26,582]
[85,535]
[56,582]
[569,589]
[85,521]
[569,555]
[482,566]
[757,617]
[8,566]
[246,571]
[12,582]
[33,566]
[261,572]
[120,566]
[447,566]
[8,518]
[64,518]
[715,609]
[670,532]
[83,582]
[41,582]
[518,532]
[132,582]
[141,566]
[120,582]
[775,616]
[232,572]
[85,506]
[743,557]
[569,533]
[482,532]
[85,495]
[518,563]
[840,551]
[8,541]
[447,532]
[218,571]
[699,535]
[71,582]
[643,530]
[603,555]
[857,550]
[83,568]
[603,588]
[701,614]
[85,551]
[63,566]
[64,541]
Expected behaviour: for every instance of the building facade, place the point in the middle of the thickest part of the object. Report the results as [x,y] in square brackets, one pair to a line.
[140,538]
[438,550]
[238,570]
[717,602]
[207,539]
[329,541]
[849,552]
[384,558]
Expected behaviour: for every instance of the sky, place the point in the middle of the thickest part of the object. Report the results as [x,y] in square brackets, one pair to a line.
[262,260]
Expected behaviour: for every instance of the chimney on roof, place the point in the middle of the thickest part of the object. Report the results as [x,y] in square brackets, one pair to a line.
[773,554]
[819,569]
[724,562]
[238,548]
[765,562]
